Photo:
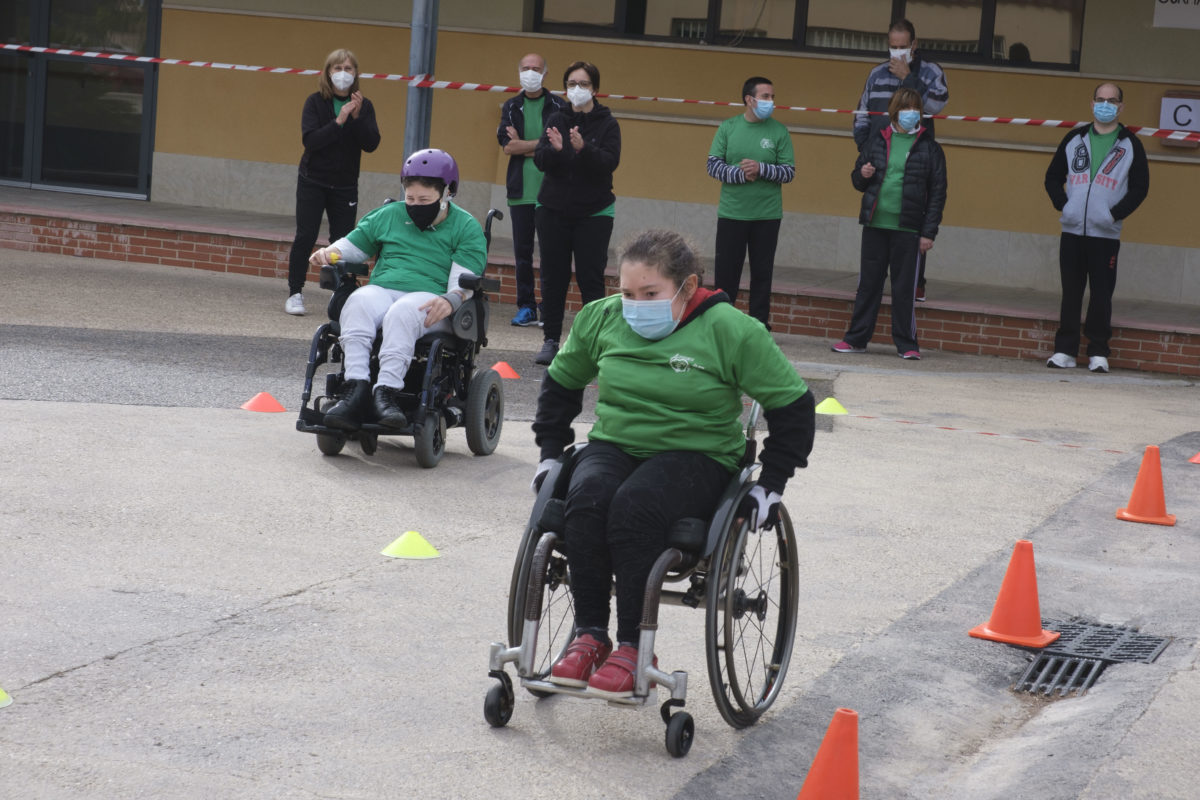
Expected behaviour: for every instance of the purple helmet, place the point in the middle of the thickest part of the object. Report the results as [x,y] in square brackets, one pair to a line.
[432,163]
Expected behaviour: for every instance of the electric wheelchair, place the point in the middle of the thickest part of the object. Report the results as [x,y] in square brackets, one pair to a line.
[745,580]
[442,388]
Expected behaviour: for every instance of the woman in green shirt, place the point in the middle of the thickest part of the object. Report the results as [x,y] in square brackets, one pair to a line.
[672,361]
[901,172]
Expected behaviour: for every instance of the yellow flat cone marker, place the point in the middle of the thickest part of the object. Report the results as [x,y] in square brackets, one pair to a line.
[830,406]
[410,545]
[5,700]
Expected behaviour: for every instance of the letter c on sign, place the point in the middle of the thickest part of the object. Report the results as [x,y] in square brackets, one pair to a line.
[1183,122]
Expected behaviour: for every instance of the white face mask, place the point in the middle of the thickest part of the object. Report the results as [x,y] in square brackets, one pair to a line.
[531,80]
[341,80]
[902,53]
[579,96]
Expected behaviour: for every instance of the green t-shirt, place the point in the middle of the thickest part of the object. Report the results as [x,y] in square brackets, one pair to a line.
[767,142]
[682,392]
[891,191]
[412,260]
[531,176]
[1100,144]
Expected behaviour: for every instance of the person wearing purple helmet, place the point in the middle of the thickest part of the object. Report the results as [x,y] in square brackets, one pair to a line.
[420,247]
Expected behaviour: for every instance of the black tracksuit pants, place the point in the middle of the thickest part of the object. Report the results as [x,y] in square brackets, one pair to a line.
[736,238]
[619,510]
[886,251]
[339,203]
[562,238]
[523,232]
[1084,259]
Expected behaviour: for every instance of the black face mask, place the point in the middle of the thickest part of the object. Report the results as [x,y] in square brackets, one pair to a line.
[423,215]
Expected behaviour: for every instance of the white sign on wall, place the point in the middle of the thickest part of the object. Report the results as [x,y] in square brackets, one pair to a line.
[1177,14]
[1180,113]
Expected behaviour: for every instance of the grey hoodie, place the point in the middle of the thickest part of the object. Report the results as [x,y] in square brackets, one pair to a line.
[1097,207]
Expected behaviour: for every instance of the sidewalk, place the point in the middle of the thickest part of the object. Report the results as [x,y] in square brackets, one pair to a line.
[808,301]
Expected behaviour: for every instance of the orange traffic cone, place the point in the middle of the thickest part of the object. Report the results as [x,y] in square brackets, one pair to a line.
[263,401]
[505,370]
[834,772]
[1147,503]
[1016,617]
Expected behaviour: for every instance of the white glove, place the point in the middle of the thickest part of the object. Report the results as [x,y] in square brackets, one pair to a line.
[540,475]
[761,506]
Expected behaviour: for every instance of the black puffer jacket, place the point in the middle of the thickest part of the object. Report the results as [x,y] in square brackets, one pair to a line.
[923,196]
[578,184]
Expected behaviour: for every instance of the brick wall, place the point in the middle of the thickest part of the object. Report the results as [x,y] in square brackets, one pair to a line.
[805,315]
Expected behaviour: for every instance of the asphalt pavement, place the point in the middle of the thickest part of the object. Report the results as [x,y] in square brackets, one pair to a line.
[196,604]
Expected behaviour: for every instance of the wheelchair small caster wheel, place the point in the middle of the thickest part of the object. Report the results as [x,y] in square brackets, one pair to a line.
[680,732]
[369,442]
[330,443]
[498,706]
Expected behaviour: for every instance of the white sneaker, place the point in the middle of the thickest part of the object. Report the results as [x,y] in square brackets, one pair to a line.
[1098,364]
[295,305]
[1060,361]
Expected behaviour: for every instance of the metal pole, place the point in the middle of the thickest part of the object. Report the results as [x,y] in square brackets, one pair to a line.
[421,57]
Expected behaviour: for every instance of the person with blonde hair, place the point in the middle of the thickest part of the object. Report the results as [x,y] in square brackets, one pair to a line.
[337,126]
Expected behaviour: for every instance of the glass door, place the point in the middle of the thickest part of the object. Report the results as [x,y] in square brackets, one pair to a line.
[75,122]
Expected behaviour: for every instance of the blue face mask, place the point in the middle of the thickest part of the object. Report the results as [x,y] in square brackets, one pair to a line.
[763,108]
[909,119]
[1104,112]
[650,319]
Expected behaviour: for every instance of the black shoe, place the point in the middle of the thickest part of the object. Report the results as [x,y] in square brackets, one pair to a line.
[547,353]
[347,412]
[387,407]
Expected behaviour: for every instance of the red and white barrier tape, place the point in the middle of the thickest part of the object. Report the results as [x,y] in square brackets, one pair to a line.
[424,82]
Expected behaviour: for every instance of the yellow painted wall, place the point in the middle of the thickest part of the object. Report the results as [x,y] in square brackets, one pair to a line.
[255,116]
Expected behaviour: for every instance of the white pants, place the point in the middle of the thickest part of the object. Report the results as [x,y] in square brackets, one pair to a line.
[403,323]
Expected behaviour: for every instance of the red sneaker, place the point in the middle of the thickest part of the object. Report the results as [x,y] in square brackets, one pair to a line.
[580,661]
[616,677]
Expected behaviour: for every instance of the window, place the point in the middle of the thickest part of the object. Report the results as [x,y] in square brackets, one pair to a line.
[1039,33]
[71,121]
[1044,33]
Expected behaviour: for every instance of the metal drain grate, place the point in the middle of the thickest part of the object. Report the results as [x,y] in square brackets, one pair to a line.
[1108,643]
[1051,674]
[1074,661]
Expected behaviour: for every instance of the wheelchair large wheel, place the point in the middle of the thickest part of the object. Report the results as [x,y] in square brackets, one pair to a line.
[557,617]
[430,441]
[485,412]
[750,618]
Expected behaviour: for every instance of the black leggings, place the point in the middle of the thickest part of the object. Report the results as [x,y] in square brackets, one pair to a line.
[340,204]
[619,510]
[560,237]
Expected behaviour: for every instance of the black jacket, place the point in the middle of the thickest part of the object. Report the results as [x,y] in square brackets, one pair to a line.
[513,113]
[332,152]
[578,184]
[923,196]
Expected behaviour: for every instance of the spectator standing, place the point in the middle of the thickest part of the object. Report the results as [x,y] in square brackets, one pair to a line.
[752,157]
[523,118]
[337,126]
[1097,178]
[905,68]
[901,172]
[578,153]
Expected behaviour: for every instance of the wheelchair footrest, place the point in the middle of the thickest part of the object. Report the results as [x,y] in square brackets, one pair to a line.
[588,694]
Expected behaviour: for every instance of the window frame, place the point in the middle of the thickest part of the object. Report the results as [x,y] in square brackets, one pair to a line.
[625,15]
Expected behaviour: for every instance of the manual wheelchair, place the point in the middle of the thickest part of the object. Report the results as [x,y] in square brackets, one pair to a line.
[442,388]
[745,580]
